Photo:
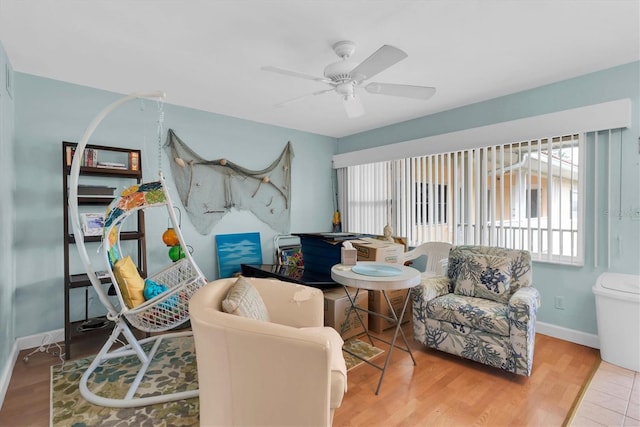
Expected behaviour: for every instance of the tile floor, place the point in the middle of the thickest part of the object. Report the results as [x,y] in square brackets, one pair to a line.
[612,399]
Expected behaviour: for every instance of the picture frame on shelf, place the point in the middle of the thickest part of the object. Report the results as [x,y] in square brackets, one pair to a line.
[92,223]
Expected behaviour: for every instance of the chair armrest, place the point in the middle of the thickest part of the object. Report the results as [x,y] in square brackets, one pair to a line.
[430,288]
[523,308]
[523,305]
[291,304]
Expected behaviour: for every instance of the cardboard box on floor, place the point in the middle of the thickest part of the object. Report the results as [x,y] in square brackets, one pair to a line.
[370,249]
[336,305]
[378,304]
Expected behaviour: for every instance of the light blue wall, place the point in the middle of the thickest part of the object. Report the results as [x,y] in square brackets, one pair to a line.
[7,272]
[49,111]
[574,283]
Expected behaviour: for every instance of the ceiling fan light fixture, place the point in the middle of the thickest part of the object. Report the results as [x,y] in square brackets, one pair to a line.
[352,106]
[345,89]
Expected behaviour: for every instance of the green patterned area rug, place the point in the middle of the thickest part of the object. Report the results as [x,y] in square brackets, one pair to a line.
[175,363]
[360,348]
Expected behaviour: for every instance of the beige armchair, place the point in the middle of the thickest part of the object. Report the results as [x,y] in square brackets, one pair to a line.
[289,371]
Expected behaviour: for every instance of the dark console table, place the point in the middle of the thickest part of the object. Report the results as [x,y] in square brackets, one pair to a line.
[290,274]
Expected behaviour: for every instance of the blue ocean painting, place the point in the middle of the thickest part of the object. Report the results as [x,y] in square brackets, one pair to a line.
[236,249]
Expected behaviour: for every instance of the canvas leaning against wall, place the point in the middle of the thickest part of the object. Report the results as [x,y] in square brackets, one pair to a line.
[235,250]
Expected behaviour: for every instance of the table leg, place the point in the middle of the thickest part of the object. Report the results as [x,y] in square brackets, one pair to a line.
[353,307]
[398,329]
[398,323]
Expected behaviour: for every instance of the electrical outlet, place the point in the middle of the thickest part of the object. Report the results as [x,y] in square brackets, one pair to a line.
[559,302]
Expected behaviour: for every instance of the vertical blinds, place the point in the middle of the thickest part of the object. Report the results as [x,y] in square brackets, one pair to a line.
[520,195]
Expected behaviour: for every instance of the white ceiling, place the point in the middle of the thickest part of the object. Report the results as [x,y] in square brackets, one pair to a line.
[208,54]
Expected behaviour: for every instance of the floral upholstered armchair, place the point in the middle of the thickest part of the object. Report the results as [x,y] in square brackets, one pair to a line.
[483,310]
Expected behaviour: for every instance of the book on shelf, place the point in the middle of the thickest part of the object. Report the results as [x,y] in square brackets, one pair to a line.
[89,157]
[111,165]
[69,152]
[134,161]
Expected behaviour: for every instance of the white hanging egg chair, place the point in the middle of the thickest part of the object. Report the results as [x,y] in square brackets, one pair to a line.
[165,311]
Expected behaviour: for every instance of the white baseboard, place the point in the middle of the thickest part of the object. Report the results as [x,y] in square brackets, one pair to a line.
[44,338]
[7,371]
[24,343]
[571,335]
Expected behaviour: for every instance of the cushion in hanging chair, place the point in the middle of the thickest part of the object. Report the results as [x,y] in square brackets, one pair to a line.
[153,289]
[129,281]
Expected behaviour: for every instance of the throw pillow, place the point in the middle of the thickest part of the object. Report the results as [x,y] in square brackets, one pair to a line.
[153,289]
[129,281]
[243,299]
[484,276]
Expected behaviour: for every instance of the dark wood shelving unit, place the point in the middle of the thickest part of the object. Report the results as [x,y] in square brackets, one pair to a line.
[77,279]
[125,235]
[81,280]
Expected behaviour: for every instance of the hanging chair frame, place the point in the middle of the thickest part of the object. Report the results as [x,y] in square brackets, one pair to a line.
[182,278]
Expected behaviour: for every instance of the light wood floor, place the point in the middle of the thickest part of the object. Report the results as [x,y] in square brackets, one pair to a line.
[441,390]
[445,390]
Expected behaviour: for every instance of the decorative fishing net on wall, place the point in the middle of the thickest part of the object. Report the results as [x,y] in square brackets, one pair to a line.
[209,189]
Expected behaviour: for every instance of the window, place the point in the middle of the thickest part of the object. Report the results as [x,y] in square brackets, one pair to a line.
[532,203]
[423,202]
[521,195]
[574,203]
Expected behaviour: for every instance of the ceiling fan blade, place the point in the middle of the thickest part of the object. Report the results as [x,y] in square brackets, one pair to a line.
[300,98]
[295,74]
[353,107]
[406,91]
[379,61]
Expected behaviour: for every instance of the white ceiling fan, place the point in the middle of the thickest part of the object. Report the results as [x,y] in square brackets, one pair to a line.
[345,77]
